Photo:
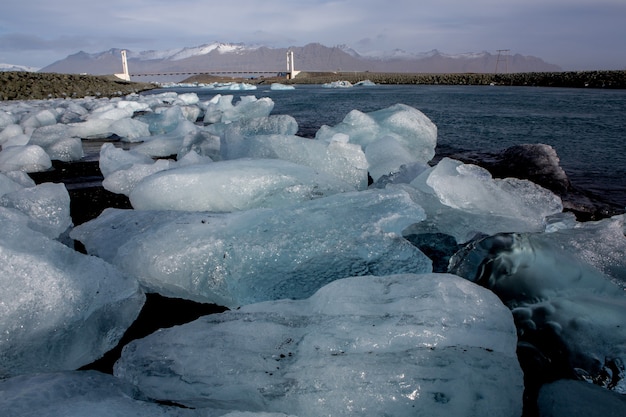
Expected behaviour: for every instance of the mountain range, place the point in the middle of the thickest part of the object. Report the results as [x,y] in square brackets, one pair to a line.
[218,56]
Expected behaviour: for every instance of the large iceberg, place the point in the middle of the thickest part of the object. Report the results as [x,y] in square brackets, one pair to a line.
[243,257]
[399,345]
[59,309]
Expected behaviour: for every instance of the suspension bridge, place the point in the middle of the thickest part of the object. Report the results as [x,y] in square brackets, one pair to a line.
[290,73]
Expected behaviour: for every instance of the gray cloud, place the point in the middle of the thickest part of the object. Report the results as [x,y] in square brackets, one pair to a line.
[571,33]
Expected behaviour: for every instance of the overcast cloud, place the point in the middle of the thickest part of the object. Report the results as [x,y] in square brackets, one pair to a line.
[575,34]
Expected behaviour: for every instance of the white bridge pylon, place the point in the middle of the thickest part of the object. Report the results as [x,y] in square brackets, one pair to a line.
[124,75]
[291,67]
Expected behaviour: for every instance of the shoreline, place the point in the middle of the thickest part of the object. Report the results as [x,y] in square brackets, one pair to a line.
[16,85]
[568,79]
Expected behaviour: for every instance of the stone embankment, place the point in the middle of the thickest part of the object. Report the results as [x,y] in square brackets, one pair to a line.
[573,79]
[38,86]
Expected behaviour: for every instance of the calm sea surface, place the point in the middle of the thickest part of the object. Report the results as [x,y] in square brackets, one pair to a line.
[586,127]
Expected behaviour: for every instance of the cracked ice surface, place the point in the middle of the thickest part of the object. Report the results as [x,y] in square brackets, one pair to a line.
[59,309]
[400,345]
[255,255]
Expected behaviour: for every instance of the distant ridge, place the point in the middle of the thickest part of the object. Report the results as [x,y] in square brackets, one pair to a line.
[311,57]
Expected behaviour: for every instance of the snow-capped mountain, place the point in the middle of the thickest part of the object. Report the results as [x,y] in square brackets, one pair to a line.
[218,56]
[188,52]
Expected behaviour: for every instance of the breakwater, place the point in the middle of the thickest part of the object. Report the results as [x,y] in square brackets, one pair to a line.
[572,79]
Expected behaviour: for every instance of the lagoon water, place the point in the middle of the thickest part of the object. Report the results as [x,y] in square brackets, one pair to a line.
[587,127]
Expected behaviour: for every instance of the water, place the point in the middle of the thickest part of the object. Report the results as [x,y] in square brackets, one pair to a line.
[586,127]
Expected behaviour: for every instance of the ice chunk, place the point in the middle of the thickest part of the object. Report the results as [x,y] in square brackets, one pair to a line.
[47,135]
[372,346]
[19,139]
[163,120]
[134,105]
[342,160]
[67,150]
[280,86]
[73,112]
[410,127]
[192,158]
[163,145]
[249,107]
[27,158]
[10,131]
[8,185]
[112,113]
[281,124]
[405,175]
[93,394]
[338,84]
[123,181]
[260,254]
[113,159]
[201,142]
[187,99]
[235,86]
[471,189]
[601,244]
[567,398]
[130,129]
[214,108]
[59,309]
[21,178]
[221,109]
[386,156]
[47,205]
[91,129]
[40,118]
[75,394]
[56,141]
[6,119]
[572,314]
[239,184]
[191,113]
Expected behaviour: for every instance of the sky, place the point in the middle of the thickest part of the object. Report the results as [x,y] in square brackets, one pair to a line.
[574,34]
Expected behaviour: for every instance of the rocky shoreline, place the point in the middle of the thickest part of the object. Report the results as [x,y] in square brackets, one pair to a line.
[16,85]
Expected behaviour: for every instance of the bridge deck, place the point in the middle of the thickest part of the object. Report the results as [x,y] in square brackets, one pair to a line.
[152,74]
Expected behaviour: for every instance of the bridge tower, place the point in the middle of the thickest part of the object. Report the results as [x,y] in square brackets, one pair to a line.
[124,75]
[291,67]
